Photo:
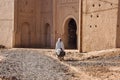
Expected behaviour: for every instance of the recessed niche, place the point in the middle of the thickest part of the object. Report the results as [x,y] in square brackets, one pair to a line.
[99,5]
[90,26]
[91,16]
[95,25]
[93,5]
[97,16]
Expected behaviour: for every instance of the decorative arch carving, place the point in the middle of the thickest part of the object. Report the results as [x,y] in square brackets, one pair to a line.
[70,32]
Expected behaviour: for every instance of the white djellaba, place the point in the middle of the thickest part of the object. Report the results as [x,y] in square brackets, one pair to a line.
[59,46]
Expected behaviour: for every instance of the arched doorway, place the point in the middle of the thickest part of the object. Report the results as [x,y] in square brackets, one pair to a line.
[25,35]
[71,34]
[47,36]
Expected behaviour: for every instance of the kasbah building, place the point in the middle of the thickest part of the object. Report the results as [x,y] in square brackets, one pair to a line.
[84,25]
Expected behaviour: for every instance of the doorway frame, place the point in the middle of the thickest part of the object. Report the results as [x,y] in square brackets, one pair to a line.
[65,26]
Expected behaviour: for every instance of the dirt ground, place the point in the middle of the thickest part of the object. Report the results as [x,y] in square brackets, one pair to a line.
[42,64]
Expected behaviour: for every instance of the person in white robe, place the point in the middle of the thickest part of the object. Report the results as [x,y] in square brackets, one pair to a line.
[60,49]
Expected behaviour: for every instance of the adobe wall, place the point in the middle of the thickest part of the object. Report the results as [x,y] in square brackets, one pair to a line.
[6,22]
[66,9]
[118,28]
[47,19]
[25,23]
[99,24]
[33,17]
[100,27]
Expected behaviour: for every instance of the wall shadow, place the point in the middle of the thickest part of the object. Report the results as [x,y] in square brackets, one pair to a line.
[118,27]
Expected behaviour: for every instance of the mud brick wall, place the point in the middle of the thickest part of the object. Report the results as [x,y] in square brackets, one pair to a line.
[6,22]
[99,24]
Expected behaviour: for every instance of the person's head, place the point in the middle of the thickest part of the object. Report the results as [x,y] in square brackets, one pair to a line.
[59,39]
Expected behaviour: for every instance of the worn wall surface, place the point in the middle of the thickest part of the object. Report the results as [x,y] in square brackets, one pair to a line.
[118,28]
[6,22]
[65,10]
[47,31]
[39,23]
[99,24]
[33,24]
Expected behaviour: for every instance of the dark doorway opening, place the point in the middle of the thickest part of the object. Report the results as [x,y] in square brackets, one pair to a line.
[72,36]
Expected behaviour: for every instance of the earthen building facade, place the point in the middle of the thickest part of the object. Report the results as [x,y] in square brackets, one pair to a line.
[85,25]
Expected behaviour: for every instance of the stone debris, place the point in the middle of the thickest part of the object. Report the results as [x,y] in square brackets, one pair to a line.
[31,64]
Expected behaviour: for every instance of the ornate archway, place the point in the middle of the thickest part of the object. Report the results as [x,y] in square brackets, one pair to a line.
[70,37]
